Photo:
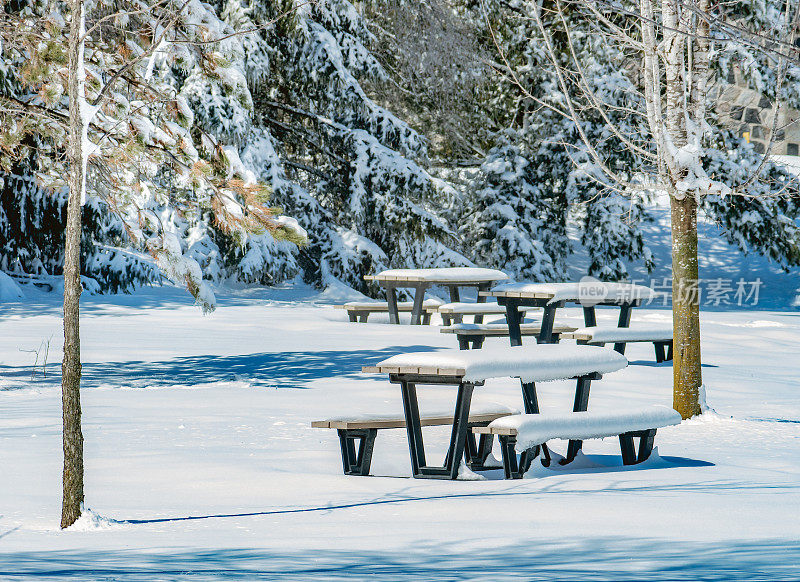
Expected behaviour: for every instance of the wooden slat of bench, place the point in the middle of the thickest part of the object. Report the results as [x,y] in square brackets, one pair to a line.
[472,309]
[421,370]
[494,430]
[376,307]
[502,331]
[589,337]
[399,422]
[517,294]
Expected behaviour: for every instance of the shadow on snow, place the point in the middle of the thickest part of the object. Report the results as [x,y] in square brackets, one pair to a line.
[588,559]
[272,369]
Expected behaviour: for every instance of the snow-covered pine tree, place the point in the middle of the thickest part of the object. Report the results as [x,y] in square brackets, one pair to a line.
[161,176]
[32,219]
[349,169]
[32,223]
[560,181]
[514,224]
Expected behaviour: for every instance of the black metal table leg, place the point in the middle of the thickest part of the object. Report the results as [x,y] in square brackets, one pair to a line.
[458,435]
[529,399]
[481,299]
[589,316]
[455,297]
[513,319]
[624,321]
[419,299]
[548,318]
[391,300]
[581,403]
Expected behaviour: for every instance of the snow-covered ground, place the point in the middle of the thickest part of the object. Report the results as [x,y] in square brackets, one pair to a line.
[201,462]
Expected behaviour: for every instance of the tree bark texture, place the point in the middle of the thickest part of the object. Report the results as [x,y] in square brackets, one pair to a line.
[71,364]
[685,308]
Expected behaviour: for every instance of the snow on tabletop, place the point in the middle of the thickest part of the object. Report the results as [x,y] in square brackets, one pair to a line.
[534,363]
[432,302]
[638,333]
[535,429]
[594,291]
[443,274]
[471,308]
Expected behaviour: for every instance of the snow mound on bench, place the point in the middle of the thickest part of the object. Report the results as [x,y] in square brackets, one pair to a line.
[533,363]
[444,274]
[535,429]
[628,334]
[431,302]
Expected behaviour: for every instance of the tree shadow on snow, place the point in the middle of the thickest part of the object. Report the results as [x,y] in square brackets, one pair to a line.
[594,559]
[668,364]
[272,369]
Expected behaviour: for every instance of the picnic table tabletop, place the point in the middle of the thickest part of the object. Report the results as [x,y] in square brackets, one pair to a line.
[448,275]
[589,292]
[421,279]
[550,296]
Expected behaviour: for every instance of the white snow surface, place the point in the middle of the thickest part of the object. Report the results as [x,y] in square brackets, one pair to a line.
[201,463]
[9,290]
[535,429]
[443,274]
[621,334]
[529,363]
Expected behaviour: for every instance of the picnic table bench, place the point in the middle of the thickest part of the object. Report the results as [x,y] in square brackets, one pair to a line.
[468,369]
[455,312]
[454,278]
[660,336]
[476,333]
[528,433]
[357,456]
[361,310]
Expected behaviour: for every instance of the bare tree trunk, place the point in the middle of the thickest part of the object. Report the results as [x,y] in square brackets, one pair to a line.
[71,364]
[685,308]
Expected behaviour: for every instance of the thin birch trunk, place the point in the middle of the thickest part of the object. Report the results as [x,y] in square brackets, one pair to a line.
[686,371]
[71,364]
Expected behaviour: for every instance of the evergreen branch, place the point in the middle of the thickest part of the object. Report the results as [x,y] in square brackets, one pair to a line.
[307,137]
[148,53]
[309,169]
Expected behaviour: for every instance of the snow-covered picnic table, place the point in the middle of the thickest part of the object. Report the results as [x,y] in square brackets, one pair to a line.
[467,369]
[454,278]
[551,296]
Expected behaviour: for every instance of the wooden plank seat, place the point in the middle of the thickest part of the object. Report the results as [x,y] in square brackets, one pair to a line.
[660,336]
[476,333]
[454,312]
[361,310]
[357,456]
[471,368]
[529,433]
